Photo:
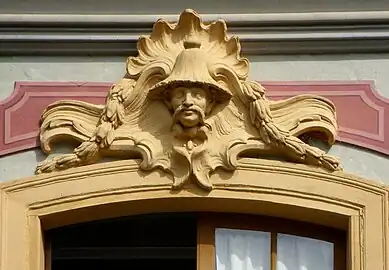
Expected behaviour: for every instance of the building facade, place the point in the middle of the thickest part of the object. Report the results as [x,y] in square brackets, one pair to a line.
[133,142]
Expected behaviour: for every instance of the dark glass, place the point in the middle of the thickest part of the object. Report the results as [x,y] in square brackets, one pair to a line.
[146,242]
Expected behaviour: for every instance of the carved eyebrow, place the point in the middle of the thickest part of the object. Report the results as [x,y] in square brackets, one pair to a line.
[180,88]
[199,92]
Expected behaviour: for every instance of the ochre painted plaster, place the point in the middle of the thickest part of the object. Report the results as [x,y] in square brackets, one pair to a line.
[185,105]
[266,187]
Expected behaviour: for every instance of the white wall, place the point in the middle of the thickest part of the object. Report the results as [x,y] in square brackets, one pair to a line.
[96,69]
[281,68]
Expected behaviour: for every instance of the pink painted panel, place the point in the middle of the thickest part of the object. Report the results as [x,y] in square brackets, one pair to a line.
[361,111]
[20,113]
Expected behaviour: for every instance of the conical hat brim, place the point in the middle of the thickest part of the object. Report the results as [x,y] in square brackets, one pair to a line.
[218,93]
[190,69]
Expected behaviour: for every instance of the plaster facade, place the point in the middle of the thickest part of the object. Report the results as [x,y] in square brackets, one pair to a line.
[318,193]
[355,160]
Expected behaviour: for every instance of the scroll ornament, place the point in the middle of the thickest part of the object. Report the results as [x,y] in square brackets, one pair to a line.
[186,106]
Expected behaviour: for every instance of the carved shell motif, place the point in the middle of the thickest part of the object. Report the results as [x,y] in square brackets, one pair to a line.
[167,41]
[138,119]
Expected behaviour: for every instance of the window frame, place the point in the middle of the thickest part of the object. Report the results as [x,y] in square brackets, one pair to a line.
[209,222]
[266,187]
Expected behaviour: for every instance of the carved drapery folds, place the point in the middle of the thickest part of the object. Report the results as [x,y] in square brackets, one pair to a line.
[186,106]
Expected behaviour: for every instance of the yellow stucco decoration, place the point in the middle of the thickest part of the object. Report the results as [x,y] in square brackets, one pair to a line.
[187,107]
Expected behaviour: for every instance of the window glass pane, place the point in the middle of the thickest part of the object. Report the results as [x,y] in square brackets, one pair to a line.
[301,253]
[242,250]
[145,242]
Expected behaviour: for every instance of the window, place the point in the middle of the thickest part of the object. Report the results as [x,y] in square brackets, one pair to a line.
[244,242]
[203,241]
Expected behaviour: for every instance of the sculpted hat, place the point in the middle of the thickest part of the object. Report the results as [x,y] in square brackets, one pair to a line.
[191,68]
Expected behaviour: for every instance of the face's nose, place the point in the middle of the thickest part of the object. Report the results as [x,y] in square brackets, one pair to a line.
[188,100]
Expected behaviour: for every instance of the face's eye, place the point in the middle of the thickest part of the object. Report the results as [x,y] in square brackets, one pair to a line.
[178,93]
[199,93]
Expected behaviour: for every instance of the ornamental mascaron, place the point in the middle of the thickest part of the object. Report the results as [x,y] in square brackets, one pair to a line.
[185,106]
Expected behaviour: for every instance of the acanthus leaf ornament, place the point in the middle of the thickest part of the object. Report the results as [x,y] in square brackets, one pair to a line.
[185,106]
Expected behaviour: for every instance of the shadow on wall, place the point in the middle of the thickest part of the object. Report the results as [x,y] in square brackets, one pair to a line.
[175,7]
[322,57]
[357,161]
[63,59]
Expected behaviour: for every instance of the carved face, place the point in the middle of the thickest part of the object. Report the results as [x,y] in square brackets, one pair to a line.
[190,105]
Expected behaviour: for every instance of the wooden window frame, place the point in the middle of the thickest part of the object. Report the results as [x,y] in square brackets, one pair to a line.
[209,222]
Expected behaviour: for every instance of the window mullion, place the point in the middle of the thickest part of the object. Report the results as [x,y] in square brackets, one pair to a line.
[205,243]
[273,251]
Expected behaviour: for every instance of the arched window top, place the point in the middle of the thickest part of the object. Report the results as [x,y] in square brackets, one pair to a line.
[265,187]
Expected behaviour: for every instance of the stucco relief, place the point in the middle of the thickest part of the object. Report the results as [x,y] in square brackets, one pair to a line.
[187,107]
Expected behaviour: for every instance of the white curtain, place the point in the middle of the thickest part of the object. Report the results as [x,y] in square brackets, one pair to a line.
[301,253]
[250,250]
[242,250]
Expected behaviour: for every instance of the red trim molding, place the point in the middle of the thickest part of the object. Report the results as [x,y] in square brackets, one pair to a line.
[361,110]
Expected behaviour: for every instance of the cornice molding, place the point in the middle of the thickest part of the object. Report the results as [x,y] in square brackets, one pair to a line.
[278,33]
[277,168]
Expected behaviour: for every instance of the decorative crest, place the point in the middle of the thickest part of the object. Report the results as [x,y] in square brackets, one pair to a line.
[185,106]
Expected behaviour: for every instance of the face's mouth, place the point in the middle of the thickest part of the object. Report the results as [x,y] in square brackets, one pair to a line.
[188,116]
[189,112]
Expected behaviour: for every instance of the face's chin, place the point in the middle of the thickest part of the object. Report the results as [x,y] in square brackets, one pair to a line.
[189,118]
